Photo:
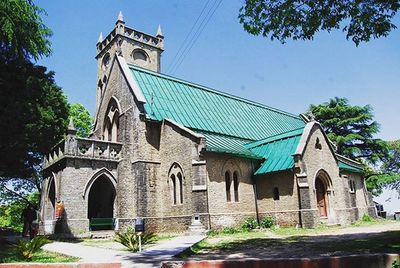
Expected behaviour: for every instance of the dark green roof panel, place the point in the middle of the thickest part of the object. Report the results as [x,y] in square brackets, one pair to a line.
[347,167]
[202,108]
[278,153]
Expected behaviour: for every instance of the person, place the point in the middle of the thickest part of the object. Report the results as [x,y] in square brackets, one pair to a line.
[30,217]
[24,218]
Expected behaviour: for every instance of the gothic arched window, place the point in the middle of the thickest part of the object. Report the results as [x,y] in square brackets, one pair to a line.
[228,183]
[111,122]
[236,186]
[176,178]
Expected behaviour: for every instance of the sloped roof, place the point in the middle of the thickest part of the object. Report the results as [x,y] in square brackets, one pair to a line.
[348,167]
[204,109]
[277,150]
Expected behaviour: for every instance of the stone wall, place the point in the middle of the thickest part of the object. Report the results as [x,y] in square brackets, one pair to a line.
[223,213]
[285,211]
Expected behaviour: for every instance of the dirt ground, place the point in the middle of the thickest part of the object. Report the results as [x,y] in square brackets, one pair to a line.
[382,238]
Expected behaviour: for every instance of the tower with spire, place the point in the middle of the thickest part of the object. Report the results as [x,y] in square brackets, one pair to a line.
[138,48]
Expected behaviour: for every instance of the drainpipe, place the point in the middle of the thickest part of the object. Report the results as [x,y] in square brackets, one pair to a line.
[253,178]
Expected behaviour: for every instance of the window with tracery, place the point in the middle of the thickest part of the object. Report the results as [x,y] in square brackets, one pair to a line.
[111,122]
[176,178]
[229,180]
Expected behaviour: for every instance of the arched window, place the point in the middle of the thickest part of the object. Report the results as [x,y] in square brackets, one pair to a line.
[228,183]
[236,186]
[176,184]
[139,55]
[276,193]
[111,122]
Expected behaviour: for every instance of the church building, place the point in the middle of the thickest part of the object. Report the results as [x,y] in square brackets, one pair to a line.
[183,156]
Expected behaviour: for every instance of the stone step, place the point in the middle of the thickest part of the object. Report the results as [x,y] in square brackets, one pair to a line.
[106,234]
[197,230]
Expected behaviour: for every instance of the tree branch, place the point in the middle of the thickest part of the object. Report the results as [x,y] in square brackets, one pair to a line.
[20,196]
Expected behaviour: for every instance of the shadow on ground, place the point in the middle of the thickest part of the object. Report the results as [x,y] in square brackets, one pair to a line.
[299,246]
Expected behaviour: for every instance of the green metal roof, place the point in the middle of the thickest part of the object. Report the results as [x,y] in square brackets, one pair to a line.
[226,144]
[204,109]
[277,150]
[350,168]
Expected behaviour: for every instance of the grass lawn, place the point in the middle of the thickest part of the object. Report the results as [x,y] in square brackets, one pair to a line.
[8,254]
[292,242]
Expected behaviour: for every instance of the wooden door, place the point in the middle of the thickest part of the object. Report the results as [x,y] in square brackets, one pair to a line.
[321,195]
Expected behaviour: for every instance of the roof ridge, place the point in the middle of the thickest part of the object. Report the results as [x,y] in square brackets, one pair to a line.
[221,134]
[169,77]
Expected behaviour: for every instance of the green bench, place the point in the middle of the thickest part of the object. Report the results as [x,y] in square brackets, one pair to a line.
[101,224]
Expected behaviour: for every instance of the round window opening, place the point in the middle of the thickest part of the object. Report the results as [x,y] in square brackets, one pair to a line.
[106,61]
[139,56]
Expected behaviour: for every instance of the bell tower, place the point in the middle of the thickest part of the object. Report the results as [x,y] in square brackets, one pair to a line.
[137,48]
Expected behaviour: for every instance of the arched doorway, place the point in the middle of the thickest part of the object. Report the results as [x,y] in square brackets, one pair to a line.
[101,204]
[321,193]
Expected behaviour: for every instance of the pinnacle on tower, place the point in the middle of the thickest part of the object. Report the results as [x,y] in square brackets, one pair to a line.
[120,16]
[159,32]
[100,38]
[71,127]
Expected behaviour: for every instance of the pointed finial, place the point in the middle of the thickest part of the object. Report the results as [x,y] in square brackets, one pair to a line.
[159,32]
[100,38]
[71,125]
[120,16]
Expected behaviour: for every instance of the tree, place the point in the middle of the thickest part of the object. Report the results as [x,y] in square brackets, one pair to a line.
[33,109]
[33,118]
[22,33]
[81,118]
[301,19]
[388,174]
[351,128]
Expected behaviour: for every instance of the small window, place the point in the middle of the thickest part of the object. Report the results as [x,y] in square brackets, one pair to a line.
[318,145]
[236,186]
[139,55]
[276,193]
[106,61]
[352,186]
[228,183]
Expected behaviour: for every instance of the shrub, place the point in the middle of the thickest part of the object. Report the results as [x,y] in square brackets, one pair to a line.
[26,248]
[366,218]
[130,239]
[230,230]
[249,224]
[212,233]
[395,264]
[267,222]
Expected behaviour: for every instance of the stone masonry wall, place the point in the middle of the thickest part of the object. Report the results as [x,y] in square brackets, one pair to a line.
[223,213]
[285,211]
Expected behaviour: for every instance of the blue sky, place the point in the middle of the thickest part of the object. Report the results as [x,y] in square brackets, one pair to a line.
[289,77]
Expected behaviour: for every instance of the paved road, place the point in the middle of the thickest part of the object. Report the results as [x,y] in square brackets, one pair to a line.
[152,257]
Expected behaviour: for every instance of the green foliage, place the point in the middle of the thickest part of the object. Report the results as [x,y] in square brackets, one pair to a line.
[366,218]
[10,214]
[249,224]
[302,19]
[267,222]
[130,239]
[82,119]
[33,111]
[351,128]
[22,32]
[26,248]
[388,175]
[395,264]
[230,230]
